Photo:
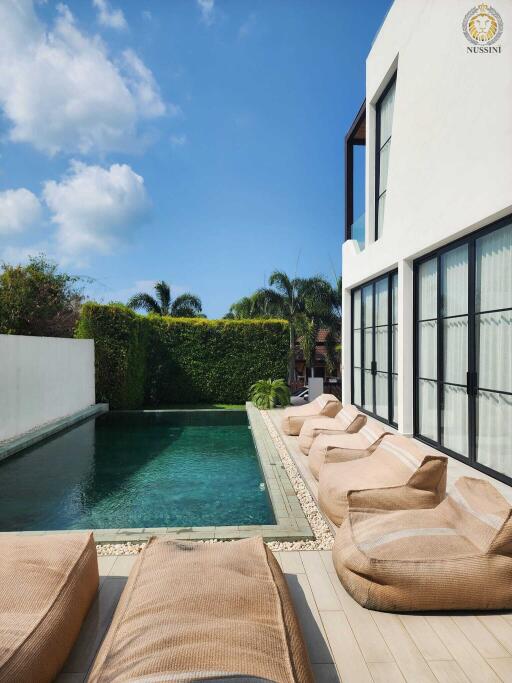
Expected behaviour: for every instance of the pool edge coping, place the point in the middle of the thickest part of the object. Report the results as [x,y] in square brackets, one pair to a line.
[292,523]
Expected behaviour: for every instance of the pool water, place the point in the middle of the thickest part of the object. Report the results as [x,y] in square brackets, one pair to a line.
[138,470]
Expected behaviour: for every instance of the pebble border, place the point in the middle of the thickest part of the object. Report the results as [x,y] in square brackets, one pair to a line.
[323,540]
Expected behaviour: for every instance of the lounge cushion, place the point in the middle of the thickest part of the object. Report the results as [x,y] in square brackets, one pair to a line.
[345,446]
[196,610]
[325,405]
[457,556]
[47,584]
[397,465]
[348,420]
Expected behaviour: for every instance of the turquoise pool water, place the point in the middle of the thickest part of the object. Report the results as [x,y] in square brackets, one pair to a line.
[137,470]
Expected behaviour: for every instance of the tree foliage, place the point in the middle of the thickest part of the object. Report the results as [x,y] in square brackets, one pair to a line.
[183,306]
[155,360]
[38,300]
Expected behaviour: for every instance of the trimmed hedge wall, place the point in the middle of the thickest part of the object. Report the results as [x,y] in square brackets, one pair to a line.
[149,360]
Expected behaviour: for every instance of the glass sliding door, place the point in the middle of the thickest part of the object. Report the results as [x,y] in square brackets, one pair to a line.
[492,384]
[463,348]
[374,354]
[453,348]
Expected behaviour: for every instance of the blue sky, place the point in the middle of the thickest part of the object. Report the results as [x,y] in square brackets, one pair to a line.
[196,141]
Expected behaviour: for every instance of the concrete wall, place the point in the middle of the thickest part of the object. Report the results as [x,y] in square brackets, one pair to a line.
[43,379]
[450,165]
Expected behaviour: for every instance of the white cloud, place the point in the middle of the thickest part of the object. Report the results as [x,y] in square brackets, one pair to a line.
[61,91]
[178,140]
[107,16]
[19,210]
[207,8]
[96,209]
[146,15]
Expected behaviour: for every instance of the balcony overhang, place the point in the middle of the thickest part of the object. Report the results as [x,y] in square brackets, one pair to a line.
[355,136]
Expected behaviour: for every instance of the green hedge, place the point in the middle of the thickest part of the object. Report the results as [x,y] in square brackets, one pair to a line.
[155,361]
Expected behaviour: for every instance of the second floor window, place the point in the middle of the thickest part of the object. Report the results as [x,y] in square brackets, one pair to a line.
[384,127]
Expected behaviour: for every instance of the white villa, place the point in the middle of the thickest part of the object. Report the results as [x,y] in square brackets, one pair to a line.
[427,326]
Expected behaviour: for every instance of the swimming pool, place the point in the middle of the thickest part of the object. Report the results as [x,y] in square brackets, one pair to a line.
[138,470]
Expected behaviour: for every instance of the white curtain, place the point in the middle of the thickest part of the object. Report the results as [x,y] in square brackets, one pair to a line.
[368,306]
[394,297]
[454,278]
[455,350]
[427,334]
[386,114]
[357,310]
[381,348]
[494,270]
[357,348]
[427,280]
[494,437]
[494,335]
[381,302]
[455,419]
[494,349]
[368,390]
[427,395]
[381,394]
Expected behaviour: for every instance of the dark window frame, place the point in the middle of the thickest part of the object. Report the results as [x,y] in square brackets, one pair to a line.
[354,138]
[390,372]
[471,380]
[378,150]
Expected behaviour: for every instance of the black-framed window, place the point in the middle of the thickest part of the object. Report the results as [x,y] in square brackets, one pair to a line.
[463,349]
[384,124]
[374,347]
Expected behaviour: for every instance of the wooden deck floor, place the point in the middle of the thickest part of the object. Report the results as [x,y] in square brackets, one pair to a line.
[345,641]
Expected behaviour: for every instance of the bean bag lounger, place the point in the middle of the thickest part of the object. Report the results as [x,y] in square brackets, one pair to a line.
[343,447]
[47,584]
[198,611]
[400,473]
[325,405]
[348,420]
[456,556]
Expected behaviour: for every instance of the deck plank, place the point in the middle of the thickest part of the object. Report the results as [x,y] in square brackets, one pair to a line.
[371,642]
[480,637]
[469,659]
[292,563]
[409,659]
[95,625]
[503,668]
[309,618]
[500,628]
[385,672]
[347,655]
[323,590]
[448,671]
[425,637]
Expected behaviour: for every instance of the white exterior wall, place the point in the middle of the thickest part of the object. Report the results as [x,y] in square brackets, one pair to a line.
[43,379]
[450,164]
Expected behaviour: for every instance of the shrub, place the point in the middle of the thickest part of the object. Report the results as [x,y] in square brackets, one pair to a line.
[157,360]
[268,393]
[120,337]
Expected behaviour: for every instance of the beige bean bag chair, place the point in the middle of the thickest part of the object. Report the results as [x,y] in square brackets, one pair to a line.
[325,405]
[343,447]
[397,466]
[194,611]
[349,419]
[457,556]
[47,584]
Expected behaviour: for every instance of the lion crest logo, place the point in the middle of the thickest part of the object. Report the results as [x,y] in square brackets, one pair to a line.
[482,25]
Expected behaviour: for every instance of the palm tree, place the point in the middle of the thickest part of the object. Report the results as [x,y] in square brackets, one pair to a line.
[286,298]
[184,306]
